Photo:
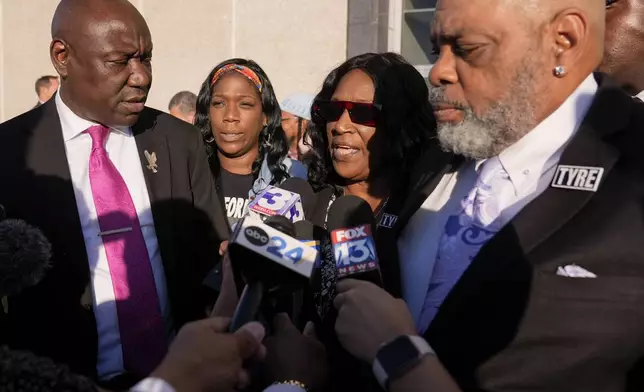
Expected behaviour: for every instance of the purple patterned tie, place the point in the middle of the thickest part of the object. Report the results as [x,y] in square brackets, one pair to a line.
[143,339]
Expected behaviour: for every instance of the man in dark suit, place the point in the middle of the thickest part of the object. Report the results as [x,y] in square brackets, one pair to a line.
[123,192]
[518,252]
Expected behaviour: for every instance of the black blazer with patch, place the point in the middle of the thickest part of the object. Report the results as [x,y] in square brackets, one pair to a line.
[55,318]
[511,323]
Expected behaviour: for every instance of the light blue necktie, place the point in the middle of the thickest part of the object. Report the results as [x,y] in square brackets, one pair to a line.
[465,233]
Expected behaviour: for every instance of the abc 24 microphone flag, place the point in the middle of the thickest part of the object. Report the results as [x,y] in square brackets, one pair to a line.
[276,246]
[277,201]
[354,250]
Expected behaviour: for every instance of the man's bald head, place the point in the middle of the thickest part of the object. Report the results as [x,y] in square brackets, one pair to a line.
[72,16]
[102,51]
[495,79]
[538,12]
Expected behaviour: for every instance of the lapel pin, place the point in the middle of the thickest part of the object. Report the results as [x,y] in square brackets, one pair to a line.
[152,160]
[578,178]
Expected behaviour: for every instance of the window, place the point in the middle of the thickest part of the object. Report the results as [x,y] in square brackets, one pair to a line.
[417,16]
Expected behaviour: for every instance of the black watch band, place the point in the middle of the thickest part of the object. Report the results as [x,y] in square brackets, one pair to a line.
[396,358]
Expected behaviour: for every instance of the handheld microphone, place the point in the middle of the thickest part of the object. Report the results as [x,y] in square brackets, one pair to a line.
[352,225]
[324,275]
[302,188]
[292,199]
[270,260]
[25,256]
[25,371]
[269,203]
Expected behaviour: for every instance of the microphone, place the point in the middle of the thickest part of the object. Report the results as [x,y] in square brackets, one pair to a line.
[25,371]
[273,201]
[302,188]
[25,256]
[271,261]
[324,275]
[292,199]
[352,225]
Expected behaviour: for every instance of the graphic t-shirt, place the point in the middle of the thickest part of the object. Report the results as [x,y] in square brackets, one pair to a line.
[235,189]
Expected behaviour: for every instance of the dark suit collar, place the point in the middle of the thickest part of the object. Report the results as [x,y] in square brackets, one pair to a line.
[154,153]
[47,157]
[543,217]
[609,113]
[427,173]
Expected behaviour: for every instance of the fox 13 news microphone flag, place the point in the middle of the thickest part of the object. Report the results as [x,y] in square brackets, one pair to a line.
[351,225]
[269,260]
[292,199]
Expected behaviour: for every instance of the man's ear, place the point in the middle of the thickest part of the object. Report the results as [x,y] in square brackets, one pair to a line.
[571,34]
[59,53]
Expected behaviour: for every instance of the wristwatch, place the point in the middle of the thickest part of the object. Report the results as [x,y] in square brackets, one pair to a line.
[397,357]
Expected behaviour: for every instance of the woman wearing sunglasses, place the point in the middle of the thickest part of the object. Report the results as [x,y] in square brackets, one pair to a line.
[371,121]
[240,120]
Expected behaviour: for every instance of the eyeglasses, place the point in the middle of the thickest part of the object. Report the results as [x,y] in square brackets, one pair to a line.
[360,113]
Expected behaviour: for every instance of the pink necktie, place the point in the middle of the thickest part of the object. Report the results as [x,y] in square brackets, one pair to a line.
[143,339]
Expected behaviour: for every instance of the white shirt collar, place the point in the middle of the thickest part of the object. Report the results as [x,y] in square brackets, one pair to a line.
[73,125]
[640,95]
[526,160]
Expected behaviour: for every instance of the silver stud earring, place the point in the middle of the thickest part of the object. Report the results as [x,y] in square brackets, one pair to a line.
[559,71]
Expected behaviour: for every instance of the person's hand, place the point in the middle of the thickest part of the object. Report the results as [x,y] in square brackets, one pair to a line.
[223,248]
[291,355]
[369,317]
[228,298]
[203,357]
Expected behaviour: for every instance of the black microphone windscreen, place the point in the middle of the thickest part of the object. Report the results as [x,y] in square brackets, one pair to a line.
[349,211]
[304,230]
[302,188]
[282,224]
[25,371]
[325,275]
[25,256]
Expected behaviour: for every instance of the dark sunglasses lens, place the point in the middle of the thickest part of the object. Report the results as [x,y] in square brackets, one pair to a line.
[330,111]
[364,114]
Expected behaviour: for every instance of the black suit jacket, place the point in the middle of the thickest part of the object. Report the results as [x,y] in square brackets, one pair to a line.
[511,323]
[55,318]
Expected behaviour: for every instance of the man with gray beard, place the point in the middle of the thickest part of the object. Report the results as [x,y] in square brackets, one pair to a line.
[519,248]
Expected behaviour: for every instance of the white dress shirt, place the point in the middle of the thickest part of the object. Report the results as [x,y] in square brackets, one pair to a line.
[122,150]
[530,163]
[640,95]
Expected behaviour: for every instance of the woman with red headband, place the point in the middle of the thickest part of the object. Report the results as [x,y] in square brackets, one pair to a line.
[240,119]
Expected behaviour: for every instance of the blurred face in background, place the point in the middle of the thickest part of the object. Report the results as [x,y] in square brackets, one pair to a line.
[290,127]
[180,114]
[624,44]
[47,92]
[294,128]
[353,146]
[236,115]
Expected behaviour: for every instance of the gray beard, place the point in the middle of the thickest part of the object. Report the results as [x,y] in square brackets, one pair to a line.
[503,124]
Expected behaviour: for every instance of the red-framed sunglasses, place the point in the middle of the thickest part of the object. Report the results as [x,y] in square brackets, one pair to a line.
[360,112]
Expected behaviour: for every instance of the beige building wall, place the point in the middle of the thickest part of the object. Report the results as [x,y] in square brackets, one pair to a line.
[297,42]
